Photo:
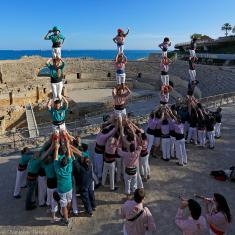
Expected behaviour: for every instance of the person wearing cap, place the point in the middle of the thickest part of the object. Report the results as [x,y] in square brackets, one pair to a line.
[58,114]
[56,66]
[120,39]
[138,219]
[57,40]
[195,224]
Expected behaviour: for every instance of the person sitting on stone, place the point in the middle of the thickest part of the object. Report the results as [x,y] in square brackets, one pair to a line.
[56,66]
[57,41]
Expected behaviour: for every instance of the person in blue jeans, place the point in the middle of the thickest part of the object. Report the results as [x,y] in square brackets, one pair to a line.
[84,170]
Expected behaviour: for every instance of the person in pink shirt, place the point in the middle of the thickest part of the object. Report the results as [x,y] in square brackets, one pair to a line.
[131,161]
[120,39]
[101,139]
[138,219]
[218,214]
[120,62]
[120,96]
[195,224]
[111,146]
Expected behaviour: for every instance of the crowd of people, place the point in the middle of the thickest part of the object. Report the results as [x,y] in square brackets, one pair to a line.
[63,168]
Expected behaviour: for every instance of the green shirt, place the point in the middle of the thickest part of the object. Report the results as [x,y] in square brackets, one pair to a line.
[34,165]
[25,158]
[86,154]
[54,72]
[64,176]
[49,169]
[56,40]
[58,115]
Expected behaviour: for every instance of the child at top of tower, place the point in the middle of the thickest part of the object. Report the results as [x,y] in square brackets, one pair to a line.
[120,62]
[57,41]
[120,39]
[193,47]
[164,46]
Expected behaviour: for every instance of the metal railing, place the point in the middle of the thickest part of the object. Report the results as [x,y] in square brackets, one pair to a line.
[14,140]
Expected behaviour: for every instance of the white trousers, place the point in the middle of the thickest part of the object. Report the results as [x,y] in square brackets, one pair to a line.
[119,169]
[98,164]
[192,134]
[139,179]
[150,142]
[172,146]
[120,113]
[211,137]
[164,53]
[130,183]
[157,141]
[192,53]
[120,49]
[181,151]
[217,129]
[58,129]
[20,181]
[50,200]
[166,148]
[57,90]
[120,78]
[201,137]
[56,52]
[192,74]
[74,201]
[144,166]
[165,79]
[108,168]
[42,190]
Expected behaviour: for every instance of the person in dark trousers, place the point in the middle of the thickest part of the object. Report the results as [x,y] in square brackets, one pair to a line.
[84,173]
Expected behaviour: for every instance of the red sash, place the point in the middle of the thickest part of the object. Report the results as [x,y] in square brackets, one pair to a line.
[215,230]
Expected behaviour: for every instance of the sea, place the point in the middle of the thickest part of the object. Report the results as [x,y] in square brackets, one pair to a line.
[95,54]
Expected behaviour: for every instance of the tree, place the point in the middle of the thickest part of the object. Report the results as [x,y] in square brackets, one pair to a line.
[226,27]
[201,36]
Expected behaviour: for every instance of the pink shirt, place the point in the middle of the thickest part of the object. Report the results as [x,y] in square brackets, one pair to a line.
[102,138]
[144,222]
[190,226]
[164,97]
[218,220]
[152,123]
[130,159]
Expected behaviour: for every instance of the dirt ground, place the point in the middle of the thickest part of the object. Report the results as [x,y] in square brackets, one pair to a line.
[167,181]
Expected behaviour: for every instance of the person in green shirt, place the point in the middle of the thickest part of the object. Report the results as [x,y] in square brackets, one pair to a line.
[57,41]
[63,169]
[33,169]
[48,165]
[56,66]
[58,114]
[21,173]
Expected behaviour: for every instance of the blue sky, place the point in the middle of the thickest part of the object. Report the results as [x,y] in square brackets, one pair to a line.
[91,24]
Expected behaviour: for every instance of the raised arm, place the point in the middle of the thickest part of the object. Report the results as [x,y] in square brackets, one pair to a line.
[125,34]
[115,40]
[45,154]
[47,35]
[66,103]
[49,104]
[56,151]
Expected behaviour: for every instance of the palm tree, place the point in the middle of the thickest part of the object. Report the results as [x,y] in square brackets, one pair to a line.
[226,27]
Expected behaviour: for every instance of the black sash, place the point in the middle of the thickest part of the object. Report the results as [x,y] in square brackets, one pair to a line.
[136,216]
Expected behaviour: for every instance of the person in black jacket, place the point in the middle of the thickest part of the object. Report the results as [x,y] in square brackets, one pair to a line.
[84,174]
